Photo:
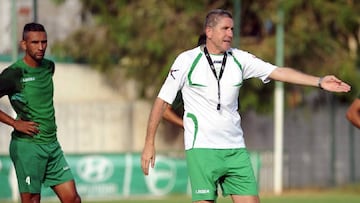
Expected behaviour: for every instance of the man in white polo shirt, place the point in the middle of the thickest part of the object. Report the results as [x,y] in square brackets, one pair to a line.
[209,78]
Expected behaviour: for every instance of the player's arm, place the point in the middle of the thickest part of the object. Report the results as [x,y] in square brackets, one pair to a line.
[148,154]
[171,116]
[6,87]
[328,82]
[5,118]
[27,127]
[353,113]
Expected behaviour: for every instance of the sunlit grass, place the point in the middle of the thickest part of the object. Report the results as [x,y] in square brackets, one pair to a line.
[345,194]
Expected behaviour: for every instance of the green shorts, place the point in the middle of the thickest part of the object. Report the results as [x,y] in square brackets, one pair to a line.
[230,169]
[37,164]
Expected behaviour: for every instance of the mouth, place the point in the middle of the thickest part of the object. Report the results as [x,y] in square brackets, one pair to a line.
[40,55]
[227,41]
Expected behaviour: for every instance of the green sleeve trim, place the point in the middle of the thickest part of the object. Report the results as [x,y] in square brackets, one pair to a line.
[196,61]
[240,67]
[196,126]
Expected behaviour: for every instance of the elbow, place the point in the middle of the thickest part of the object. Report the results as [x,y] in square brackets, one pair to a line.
[166,116]
[349,116]
[352,119]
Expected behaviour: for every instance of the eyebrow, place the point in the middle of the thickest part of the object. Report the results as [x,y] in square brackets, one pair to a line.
[36,41]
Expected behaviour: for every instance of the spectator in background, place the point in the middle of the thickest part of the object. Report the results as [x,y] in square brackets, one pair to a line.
[34,148]
[353,112]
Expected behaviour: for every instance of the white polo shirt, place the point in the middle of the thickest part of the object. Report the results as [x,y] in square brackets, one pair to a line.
[204,125]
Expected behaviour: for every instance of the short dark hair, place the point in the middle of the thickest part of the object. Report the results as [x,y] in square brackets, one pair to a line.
[32,27]
[213,16]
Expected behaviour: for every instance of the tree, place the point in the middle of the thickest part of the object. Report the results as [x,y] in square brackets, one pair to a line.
[321,37]
[140,39]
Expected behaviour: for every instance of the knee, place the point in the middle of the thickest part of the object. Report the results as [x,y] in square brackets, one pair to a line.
[30,197]
[75,198]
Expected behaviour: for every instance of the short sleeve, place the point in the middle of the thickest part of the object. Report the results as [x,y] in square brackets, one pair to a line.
[9,81]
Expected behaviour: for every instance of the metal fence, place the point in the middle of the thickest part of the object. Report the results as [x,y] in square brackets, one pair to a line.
[321,148]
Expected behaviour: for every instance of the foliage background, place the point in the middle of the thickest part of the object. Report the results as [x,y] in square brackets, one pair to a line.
[140,39]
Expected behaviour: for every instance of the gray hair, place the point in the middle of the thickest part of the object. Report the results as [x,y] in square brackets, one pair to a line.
[213,17]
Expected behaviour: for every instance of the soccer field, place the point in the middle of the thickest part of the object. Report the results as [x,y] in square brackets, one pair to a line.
[348,194]
[298,198]
[289,198]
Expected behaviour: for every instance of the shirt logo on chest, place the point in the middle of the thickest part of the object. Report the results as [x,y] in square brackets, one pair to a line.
[28,79]
[172,71]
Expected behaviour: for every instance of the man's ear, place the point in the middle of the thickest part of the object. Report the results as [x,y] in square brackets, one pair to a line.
[23,45]
[208,32]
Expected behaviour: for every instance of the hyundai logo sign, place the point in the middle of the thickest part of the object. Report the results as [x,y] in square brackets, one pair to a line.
[95,169]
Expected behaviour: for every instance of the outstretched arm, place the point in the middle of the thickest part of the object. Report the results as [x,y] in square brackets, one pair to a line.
[353,113]
[328,82]
[148,154]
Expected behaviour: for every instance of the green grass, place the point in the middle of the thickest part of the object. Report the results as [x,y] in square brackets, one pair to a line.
[287,198]
[313,198]
[301,197]
[293,198]
[347,194]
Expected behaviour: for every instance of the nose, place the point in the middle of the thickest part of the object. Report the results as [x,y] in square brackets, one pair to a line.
[230,32]
[42,45]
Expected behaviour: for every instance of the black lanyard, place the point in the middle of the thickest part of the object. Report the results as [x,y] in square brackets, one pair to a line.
[214,71]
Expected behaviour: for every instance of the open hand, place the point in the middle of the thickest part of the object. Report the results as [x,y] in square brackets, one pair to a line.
[333,84]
